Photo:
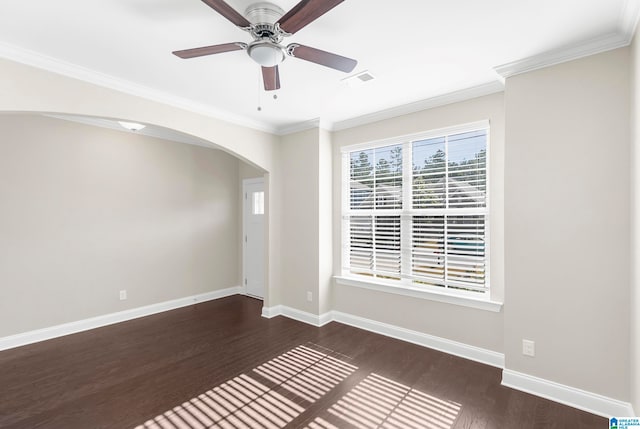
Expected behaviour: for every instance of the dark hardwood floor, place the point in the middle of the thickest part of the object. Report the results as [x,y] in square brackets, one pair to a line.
[219,364]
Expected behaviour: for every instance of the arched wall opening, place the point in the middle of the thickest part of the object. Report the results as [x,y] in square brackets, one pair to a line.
[89,213]
[29,90]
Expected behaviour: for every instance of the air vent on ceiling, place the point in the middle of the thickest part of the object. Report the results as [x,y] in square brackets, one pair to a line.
[359,78]
[365,76]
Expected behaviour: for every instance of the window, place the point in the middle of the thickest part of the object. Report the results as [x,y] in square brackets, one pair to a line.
[415,211]
[257,206]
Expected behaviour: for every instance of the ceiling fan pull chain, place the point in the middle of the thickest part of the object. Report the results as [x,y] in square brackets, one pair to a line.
[259,93]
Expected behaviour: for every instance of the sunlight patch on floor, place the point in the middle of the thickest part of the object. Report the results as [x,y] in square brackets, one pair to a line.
[378,402]
[308,373]
[239,403]
[300,376]
[275,393]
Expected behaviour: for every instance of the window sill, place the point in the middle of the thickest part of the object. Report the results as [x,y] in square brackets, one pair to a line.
[465,301]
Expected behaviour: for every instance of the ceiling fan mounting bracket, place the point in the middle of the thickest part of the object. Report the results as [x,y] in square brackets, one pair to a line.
[291,48]
[269,32]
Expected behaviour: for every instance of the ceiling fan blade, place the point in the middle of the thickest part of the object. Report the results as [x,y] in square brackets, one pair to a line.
[323,58]
[304,13]
[228,12]
[271,78]
[210,50]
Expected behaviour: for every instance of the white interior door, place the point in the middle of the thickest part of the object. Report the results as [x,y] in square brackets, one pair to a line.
[253,240]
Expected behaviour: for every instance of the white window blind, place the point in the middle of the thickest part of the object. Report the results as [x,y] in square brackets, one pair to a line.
[417,211]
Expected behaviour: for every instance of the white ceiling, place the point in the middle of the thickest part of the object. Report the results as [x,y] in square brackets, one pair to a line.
[416,49]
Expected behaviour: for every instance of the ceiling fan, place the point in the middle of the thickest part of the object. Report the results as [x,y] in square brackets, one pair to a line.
[269,25]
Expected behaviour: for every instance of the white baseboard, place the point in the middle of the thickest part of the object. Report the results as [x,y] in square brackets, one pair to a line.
[325,318]
[303,316]
[270,312]
[466,351]
[299,315]
[567,395]
[452,347]
[109,319]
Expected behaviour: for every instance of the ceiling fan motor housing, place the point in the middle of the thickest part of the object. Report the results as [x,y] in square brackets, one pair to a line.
[263,13]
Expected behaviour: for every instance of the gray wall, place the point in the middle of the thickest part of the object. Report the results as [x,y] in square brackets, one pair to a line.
[635,220]
[300,222]
[86,212]
[567,223]
[325,225]
[26,88]
[307,222]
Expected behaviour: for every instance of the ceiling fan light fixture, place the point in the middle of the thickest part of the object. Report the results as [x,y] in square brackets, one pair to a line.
[266,53]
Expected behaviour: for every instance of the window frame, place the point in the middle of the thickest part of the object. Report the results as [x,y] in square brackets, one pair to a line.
[405,285]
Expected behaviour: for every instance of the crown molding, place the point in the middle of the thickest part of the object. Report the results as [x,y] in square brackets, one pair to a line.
[627,24]
[561,55]
[299,126]
[35,59]
[629,19]
[429,103]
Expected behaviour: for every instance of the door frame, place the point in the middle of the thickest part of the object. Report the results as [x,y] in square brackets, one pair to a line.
[245,207]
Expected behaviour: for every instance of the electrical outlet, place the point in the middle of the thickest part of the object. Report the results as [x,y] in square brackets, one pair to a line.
[123,295]
[528,348]
[309,296]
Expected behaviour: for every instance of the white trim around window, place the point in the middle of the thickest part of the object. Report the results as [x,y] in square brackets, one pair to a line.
[480,302]
[415,215]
